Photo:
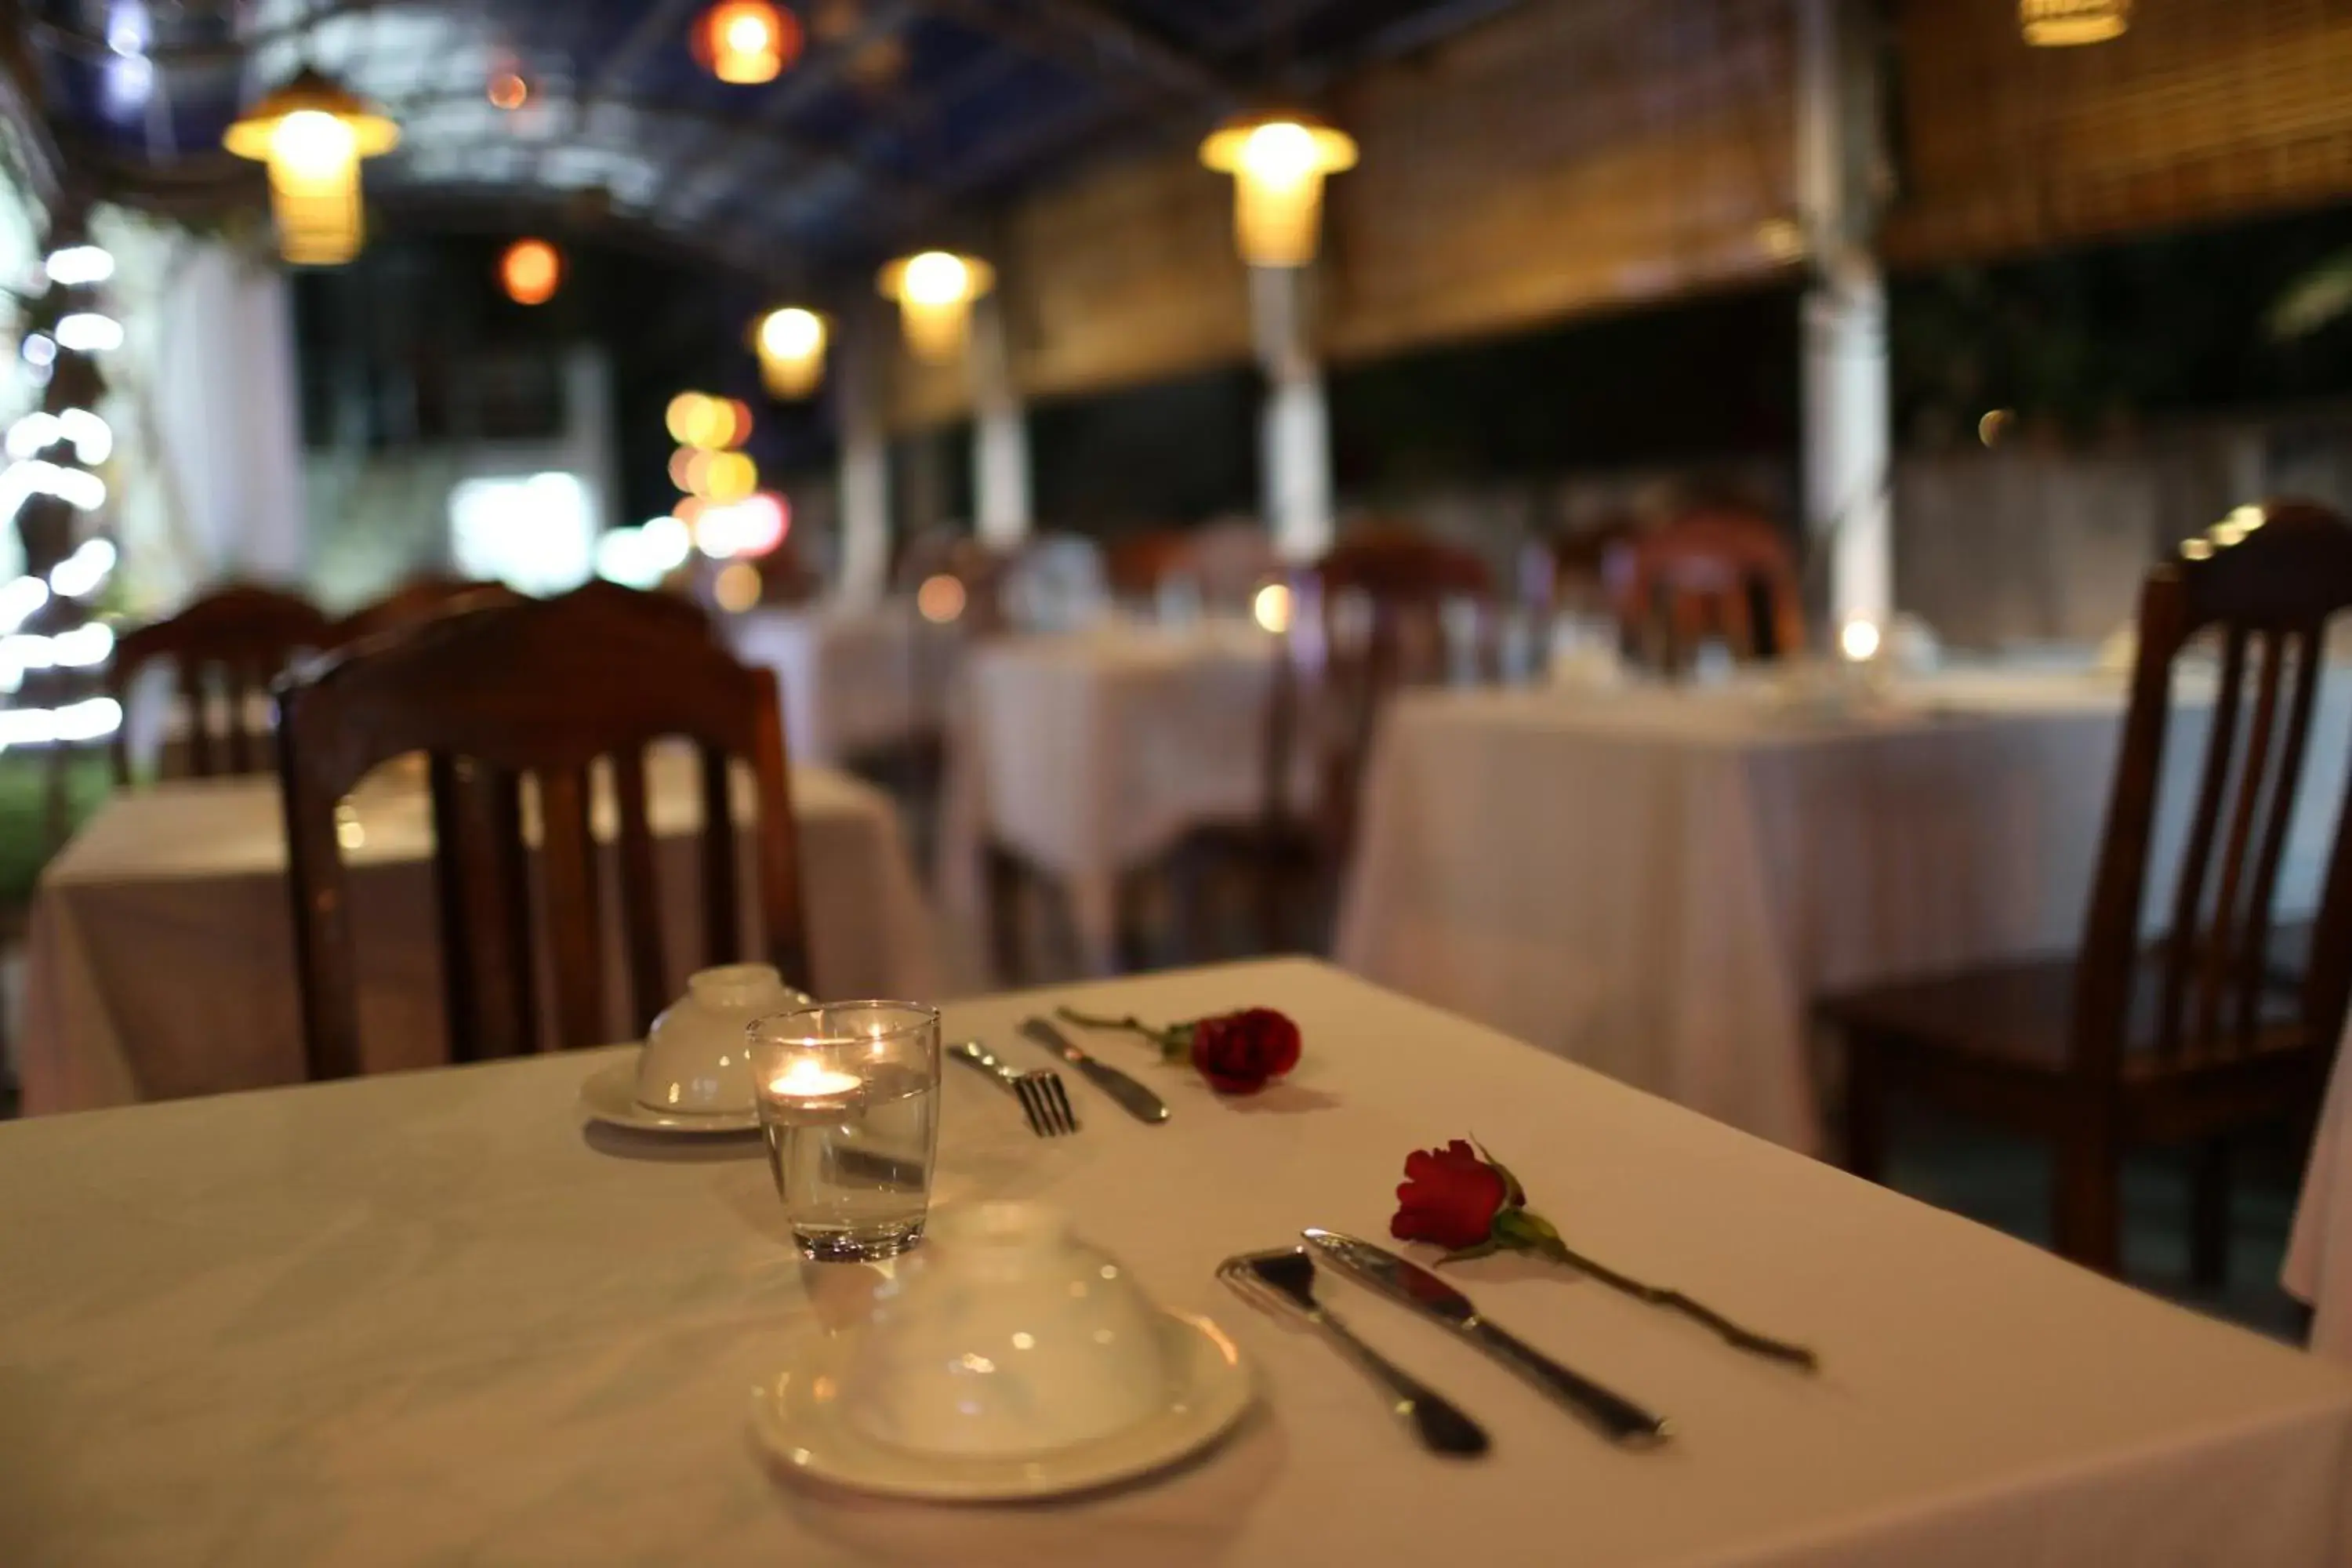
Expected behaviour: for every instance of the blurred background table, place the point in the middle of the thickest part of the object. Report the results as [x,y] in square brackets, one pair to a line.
[857,680]
[1089,754]
[1657,882]
[162,963]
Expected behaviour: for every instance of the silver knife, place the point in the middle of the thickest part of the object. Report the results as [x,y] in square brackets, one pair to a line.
[1401,1279]
[1133,1098]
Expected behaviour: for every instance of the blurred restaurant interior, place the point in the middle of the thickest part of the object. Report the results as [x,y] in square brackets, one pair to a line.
[1719,624]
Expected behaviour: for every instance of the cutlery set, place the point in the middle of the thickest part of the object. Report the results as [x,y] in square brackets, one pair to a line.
[1282,1281]
[1043,1099]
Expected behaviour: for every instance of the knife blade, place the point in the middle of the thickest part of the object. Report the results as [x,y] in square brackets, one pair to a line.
[1132,1097]
[1403,1280]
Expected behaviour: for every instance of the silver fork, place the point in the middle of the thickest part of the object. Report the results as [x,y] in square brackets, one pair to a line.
[1042,1099]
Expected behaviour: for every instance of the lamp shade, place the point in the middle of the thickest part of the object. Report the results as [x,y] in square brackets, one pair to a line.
[790,344]
[935,290]
[312,133]
[2060,24]
[1279,161]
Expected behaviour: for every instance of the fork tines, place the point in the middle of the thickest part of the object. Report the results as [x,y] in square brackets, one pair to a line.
[1046,1103]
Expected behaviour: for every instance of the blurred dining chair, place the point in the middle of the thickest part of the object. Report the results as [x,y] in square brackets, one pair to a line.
[419,599]
[1712,573]
[1232,559]
[1368,620]
[1138,565]
[226,649]
[548,689]
[1056,583]
[2208,1030]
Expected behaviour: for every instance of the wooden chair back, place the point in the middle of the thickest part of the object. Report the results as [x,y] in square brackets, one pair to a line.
[420,599]
[1137,564]
[2264,584]
[227,646]
[1702,576]
[1367,620]
[547,690]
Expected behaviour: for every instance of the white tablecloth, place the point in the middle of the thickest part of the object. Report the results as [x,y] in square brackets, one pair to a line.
[1090,752]
[854,679]
[1657,883]
[2318,1270]
[423,1319]
[162,958]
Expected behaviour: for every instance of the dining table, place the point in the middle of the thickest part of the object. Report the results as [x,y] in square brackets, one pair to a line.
[161,956]
[1089,753]
[1658,881]
[855,679]
[436,1317]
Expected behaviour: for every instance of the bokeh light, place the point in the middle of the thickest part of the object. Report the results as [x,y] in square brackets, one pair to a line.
[939,600]
[531,270]
[1270,607]
[737,587]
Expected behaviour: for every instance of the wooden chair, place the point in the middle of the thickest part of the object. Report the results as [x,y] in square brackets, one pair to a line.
[1708,572]
[2204,1032]
[420,599]
[1365,622]
[546,688]
[228,647]
[1137,564]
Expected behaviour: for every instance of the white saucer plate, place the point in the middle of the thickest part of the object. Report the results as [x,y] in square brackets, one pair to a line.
[610,1096]
[798,1420]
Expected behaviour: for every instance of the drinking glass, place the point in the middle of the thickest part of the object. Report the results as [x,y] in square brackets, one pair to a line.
[850,1096]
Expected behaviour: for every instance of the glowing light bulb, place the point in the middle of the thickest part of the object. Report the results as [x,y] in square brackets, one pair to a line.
[1281,151]
[935,278]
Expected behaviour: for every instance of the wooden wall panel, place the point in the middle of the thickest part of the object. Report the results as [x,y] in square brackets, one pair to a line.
[2206,109]
[1572,155]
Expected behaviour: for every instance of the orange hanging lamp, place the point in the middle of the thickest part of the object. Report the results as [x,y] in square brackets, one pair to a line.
[745,42]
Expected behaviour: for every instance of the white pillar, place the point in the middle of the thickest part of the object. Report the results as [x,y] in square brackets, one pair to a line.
[227,415]
[999,434]
[1848,422]
[864,462]
[1294,428]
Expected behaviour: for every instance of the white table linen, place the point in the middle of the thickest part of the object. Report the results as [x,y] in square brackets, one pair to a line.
[1657,883]
[854,679]
[1091,752]
[2318,1268]
[423,1319]
[161,960]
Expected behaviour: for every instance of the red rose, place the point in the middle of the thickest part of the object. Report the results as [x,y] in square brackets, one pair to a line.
[1240,1053]
[1449,1197]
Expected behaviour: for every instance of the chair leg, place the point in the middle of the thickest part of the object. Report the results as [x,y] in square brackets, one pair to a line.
[1865,1110]
[1005,913]
[2209,1215]
[2088,1211]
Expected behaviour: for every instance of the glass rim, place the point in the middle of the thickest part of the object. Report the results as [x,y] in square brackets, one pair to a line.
[766,1029]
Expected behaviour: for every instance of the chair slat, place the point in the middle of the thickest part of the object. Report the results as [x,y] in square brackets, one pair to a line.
[249,634]
[2255,974]
[640,891]
[2218,960]
[575,934]
[722,924]
[2188,902]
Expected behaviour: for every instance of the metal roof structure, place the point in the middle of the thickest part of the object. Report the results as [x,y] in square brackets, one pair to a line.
[902,121]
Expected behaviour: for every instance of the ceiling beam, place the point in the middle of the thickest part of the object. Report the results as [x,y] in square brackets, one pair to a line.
[1093,39]
[734,134]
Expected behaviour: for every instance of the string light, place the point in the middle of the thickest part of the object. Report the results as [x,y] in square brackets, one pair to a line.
[76,265]
[86,331]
